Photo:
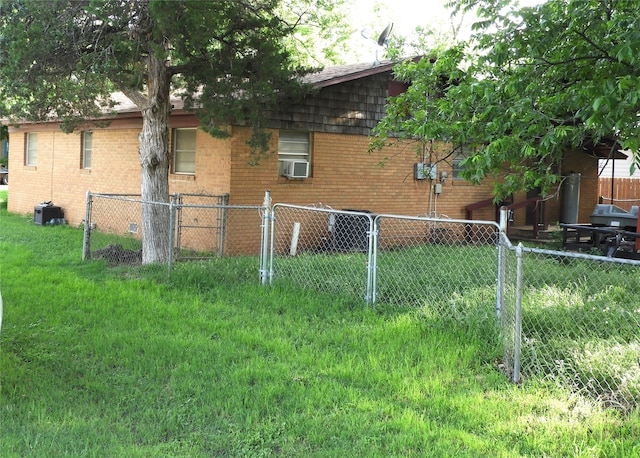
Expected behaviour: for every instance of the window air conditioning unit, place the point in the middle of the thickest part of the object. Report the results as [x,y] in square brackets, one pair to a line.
[296,169]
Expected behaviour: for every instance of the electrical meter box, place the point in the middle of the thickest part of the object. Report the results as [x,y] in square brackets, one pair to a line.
[422,171]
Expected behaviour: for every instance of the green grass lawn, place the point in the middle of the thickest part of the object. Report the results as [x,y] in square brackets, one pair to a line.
[97,362]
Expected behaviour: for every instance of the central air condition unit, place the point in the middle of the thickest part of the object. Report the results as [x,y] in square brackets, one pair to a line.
[296,169]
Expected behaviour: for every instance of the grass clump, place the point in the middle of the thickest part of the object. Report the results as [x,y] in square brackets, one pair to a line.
[211,363]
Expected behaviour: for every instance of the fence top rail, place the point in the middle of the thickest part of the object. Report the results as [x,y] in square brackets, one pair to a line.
[183,194]
[476,222]
[223,207]
[325,210]
[104,194]
[191,194]
[127,198]
[376,216]
[99,194]
[573,254]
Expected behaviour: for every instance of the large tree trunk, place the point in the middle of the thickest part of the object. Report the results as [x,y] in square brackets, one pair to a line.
[154,161]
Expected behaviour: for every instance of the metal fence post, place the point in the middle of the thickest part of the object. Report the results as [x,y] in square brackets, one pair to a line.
[223,200]
[264,244]
[502,253]
[176,198]
[372,262]
[272,243]
[172,231]
[517,331]
[86,245]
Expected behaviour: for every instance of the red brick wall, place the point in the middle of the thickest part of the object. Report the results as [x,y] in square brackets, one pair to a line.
[345,176]
[58,176]
[115,168]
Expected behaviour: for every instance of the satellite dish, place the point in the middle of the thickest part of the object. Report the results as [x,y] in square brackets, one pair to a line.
[383,39]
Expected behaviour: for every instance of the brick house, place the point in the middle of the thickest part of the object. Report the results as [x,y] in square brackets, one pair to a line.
[320,155]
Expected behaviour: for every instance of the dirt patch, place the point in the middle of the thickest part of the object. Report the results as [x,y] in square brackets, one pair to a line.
[116,255]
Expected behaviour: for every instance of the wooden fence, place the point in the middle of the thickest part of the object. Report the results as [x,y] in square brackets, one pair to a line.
[623,192]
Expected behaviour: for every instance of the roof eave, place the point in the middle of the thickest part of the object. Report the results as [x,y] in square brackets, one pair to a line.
[353,76]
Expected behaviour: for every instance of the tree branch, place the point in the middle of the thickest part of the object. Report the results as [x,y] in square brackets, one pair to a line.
[137,97]
[584,36]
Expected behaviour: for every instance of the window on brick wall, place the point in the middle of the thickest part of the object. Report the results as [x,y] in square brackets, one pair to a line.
[184,151]
[294,154]
[87,148]
[31,149]
[458,157]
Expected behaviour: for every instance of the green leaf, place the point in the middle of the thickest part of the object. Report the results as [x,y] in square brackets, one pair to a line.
[598,102]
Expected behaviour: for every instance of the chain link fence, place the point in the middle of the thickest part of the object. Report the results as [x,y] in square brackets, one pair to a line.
[201,227]
[508,290]
[449,266]
[322,249]
[390,259]
[561,317]
[577,323]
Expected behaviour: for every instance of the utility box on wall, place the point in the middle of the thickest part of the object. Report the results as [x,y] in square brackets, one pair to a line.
[422,171]
[44,213]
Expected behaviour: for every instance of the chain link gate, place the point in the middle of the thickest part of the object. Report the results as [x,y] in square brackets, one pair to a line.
[322,249]
[447,265]
[200,225]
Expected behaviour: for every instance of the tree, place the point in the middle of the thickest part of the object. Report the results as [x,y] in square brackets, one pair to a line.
[229,59]
[321,32]
[533,83]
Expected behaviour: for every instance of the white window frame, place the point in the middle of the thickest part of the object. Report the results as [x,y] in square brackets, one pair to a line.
[180,164]
[31,149]
[293,146]
[87,148]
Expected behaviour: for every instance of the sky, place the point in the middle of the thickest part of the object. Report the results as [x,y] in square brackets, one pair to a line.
[406,15]
[372,16]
